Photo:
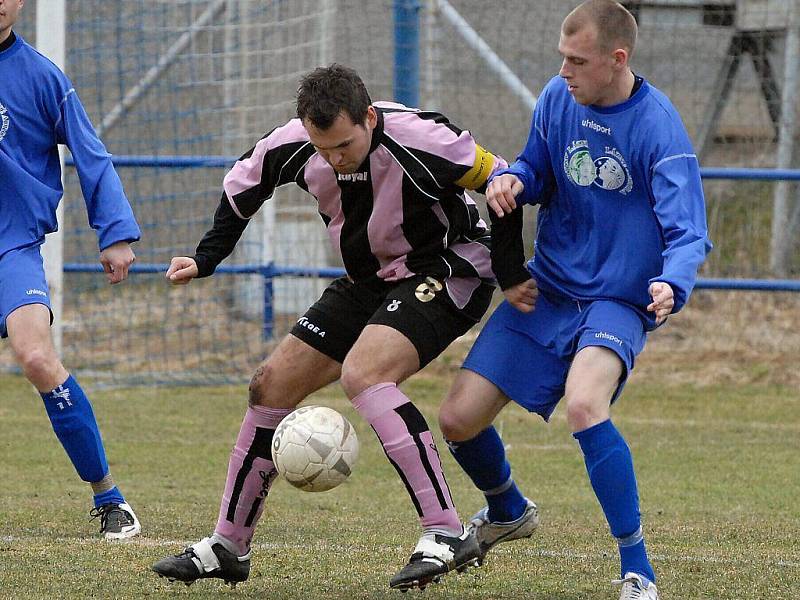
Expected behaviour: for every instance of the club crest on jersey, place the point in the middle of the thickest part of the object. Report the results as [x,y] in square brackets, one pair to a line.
[5,121]
[609,171]
[426,290]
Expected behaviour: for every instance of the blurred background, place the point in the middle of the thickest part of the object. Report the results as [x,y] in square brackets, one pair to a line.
[174,85]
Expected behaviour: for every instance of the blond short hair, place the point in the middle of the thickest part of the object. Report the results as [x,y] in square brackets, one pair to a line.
[616,27]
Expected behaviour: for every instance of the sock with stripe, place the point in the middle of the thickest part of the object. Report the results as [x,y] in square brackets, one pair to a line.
[483,459]
[610,466]
[75,426]
[409,446]
[250,475]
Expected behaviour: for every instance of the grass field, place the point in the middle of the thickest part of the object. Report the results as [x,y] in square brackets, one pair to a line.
[718,466]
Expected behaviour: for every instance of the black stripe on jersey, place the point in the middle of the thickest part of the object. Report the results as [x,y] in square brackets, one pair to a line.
[421,226]
[260,448]
[416,425]
[458,264]
[280,166]
[426,115]
[357,202]
[430,172]
[446,172]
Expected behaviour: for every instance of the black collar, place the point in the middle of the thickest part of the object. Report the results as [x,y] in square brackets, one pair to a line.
[9,41]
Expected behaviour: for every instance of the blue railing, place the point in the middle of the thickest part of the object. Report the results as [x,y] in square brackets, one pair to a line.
[271,270]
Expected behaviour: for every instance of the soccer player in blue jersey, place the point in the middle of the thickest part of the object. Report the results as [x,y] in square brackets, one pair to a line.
[621,233]
[39,109]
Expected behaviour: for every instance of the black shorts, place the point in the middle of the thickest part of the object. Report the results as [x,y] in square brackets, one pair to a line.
[418,307]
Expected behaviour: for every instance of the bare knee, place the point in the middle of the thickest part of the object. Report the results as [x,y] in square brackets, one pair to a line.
[584,411]
[456,426]
[41,367]
[260,390]
[357,376]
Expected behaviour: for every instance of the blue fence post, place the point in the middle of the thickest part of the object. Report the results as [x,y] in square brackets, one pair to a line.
[268,330]
[406,51]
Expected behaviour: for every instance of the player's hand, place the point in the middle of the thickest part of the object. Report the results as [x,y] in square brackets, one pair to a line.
[182,270]
[116,259]
[501,193]
[663,300]
[523,296]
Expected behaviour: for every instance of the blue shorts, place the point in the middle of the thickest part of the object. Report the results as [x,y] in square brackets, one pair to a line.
[22,282]
[528,355]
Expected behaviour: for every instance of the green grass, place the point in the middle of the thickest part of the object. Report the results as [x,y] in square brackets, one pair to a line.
[718,468]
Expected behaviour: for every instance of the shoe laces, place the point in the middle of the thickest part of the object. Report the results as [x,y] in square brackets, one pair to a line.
[631,589]
[103,512]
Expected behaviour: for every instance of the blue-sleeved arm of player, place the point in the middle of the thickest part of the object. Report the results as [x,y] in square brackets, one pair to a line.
[532,166]
[681,211]
[109,211]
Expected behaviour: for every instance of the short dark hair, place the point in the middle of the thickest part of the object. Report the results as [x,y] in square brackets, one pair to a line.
[326,92]
[615,25]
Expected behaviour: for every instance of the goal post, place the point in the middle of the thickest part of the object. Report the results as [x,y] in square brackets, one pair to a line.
[50,31]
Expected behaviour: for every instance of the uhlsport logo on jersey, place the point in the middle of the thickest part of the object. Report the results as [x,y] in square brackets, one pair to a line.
[5,121]
[609,171]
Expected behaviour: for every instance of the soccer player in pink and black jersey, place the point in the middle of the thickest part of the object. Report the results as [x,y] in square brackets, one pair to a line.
[390,183]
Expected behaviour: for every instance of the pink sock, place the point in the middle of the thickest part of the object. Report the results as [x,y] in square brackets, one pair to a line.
[408,443]
[250,475]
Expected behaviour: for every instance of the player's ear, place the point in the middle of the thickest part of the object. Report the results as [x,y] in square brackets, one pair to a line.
[372,117]
[620,58]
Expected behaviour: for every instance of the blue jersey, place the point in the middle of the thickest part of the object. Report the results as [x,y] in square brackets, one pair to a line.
[621,198]
[38,110]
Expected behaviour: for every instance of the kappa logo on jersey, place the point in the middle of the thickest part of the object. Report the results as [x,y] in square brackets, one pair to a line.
[609,171]
[427,290]
[394,305]
[5,121]
[364,176]
[304,322]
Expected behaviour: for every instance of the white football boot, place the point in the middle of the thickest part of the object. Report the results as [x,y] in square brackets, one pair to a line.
[634,588]
[490,533]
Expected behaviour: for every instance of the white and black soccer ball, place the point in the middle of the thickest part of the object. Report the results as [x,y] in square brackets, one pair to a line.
[314,448]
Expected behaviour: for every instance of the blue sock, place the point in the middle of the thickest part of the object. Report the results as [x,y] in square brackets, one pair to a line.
[610,467]
[76,428]
[483,458]
[112,496]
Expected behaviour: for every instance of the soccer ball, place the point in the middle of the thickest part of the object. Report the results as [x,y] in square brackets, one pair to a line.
[314,448]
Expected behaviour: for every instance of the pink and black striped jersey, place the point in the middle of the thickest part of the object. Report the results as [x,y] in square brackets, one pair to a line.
[403,212]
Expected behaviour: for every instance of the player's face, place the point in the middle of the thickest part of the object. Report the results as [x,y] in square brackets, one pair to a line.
[344,145]
[588,70]
[9,10]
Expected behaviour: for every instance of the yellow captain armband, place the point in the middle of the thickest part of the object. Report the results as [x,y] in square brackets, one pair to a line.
[480,170]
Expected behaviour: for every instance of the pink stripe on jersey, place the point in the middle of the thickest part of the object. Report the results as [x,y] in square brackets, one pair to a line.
[439,212]
[423,134]
[246,174]
[322,183]
[385,232]
[460,289]
[477,255]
